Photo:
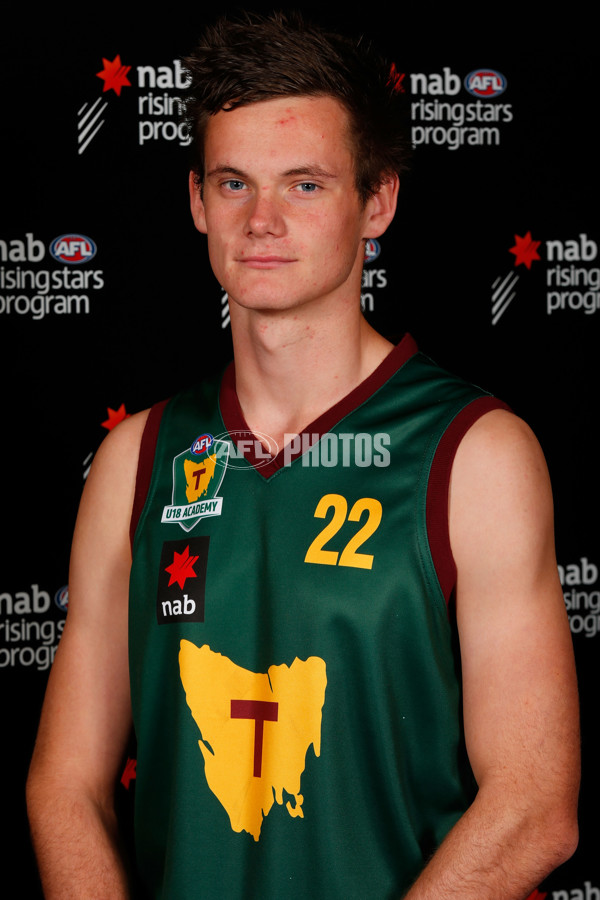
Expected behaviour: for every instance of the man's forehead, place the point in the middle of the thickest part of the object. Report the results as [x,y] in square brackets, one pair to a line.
[282,113]
[277,127]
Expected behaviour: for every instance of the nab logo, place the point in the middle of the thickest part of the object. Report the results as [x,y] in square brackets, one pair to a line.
[202,444]
[182,581]
[485,83]
[73,248]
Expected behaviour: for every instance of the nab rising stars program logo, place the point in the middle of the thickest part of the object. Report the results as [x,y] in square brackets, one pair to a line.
[571,275]
[159,112]
[197,476]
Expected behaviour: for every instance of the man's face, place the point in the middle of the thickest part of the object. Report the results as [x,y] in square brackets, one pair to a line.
[279,204]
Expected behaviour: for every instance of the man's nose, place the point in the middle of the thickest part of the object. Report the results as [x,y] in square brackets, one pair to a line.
[266,215]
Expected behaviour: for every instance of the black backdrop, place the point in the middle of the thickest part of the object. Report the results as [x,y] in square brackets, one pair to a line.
[493,264]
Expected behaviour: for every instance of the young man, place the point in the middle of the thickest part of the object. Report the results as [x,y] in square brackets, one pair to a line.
[292,665]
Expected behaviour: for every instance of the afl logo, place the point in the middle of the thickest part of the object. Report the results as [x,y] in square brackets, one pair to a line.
[372,250]
[61,598]
[485,83]
[202,444]
[73,248]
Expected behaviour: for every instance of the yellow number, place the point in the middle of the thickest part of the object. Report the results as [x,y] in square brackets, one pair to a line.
[315,553]
[349,555]
[374,511]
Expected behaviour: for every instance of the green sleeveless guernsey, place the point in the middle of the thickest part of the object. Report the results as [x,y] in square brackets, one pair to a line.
[293,670]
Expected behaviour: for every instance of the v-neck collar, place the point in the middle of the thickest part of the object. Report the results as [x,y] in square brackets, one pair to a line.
[236,425]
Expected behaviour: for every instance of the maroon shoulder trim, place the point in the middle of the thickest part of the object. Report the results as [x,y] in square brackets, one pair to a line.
[439,484]
[234,420]
[145,464]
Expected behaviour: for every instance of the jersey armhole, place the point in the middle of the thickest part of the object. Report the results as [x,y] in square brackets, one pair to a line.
[145,464]
[437,509]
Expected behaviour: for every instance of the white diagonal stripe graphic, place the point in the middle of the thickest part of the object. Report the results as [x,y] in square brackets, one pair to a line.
[88,119]
[501,296]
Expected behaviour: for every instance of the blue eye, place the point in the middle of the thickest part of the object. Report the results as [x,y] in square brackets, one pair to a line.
[234,185]
[307,187]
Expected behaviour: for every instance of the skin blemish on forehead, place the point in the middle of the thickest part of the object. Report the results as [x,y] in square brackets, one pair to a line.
[288,118]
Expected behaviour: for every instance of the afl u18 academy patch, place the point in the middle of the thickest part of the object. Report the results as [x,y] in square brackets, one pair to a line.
[197,476]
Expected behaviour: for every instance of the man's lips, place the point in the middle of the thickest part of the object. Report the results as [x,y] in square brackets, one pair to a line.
[265,262]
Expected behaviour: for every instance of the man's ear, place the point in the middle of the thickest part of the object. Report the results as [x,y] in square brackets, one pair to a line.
[196,203]
[381,207]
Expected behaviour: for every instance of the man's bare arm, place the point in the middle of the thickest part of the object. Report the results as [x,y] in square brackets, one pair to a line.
[86,717]
[520,695]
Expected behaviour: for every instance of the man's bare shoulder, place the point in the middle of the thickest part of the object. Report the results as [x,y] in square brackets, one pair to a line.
[501,505]
[107,498]
[116,460]
[500,457]
[123,440]
[500,435]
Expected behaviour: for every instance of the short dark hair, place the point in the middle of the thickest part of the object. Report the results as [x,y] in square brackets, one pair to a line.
[254,57]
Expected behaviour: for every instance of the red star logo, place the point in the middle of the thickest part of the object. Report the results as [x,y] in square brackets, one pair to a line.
[114,417]
[396,80]
[129,772]
[182,567]
[114,75]
[525,250]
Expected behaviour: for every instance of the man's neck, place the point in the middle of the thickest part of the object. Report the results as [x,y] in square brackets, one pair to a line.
[291,369]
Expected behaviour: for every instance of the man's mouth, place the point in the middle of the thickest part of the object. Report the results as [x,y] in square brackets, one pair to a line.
[265,262]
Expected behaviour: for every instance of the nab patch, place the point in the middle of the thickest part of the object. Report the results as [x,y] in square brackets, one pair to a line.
[197,476]
[182,581]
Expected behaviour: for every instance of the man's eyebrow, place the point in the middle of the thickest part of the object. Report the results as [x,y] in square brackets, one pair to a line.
[226,170]
[308,171]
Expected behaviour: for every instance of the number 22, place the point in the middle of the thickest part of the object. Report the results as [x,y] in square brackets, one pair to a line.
[349,555]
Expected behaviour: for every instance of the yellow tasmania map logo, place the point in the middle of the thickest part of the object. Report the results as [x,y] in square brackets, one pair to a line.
[255,729]
[197,477]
